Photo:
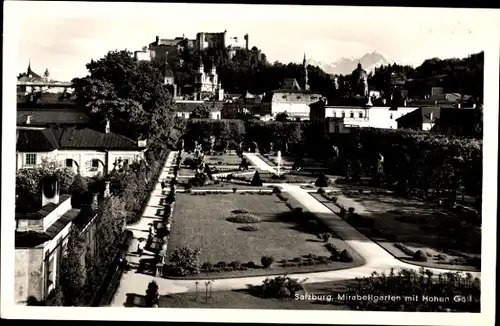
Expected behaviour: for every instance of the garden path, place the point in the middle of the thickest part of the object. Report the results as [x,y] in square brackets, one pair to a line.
[377,259]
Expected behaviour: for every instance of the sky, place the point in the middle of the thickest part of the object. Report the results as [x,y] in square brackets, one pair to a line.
[63,36]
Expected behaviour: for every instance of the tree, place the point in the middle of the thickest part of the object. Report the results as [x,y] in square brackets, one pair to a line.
[72,274]
[256,181]
[201,112]
[282,116]
[128,93]
[186,260]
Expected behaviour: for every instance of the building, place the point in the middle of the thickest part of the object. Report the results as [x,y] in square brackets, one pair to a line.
[88,151]
[41,239]
[361,116]
[184,109]
[30,82]
[291,98]
[447,120]
[208,85]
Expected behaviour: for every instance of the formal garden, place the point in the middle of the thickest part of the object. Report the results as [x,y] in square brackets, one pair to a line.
[251,233]
[412,230]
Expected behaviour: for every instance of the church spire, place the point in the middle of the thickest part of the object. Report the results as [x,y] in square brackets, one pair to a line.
[306,75]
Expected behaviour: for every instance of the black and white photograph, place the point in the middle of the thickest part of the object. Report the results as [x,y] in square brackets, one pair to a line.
[249,163]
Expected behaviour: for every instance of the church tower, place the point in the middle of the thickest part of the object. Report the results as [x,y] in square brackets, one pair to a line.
[305,74]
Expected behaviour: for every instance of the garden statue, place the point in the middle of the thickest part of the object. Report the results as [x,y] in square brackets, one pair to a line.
[335,151]
[271,147]
[212,144]
[279,162]
[286,147]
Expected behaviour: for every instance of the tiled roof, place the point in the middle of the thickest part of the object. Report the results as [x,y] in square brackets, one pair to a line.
[45,99]
[188,106]
[87,138]
[46,140]
[61,223]
[44,211]
[44,117]
[29,140]
[290,83]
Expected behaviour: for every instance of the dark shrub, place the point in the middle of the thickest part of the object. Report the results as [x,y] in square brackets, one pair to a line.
[234,190]
[221,265]
[369,222]
[249,228]
[280,287]
[351,210]
[266,261]
[322,180]
[250,264]
[420,255]
[345,256]
[152,295]
[216,182]
[333,199]
[282,197]
[244,218]
[332,249]
[326,236]
[298,210]
[239,211]
[229,177]
[256,181]
[206,267]
[321,191]
[297,259]
[235,264]
[276,190]
[342,212]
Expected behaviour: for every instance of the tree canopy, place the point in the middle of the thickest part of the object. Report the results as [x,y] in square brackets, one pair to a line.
[128,93]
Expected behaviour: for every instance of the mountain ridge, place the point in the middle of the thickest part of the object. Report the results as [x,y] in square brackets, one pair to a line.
[345,66]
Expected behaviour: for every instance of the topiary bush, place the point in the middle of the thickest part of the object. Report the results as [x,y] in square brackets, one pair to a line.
[321,191]
[280,287]
[235,190]
[345,256]
[322,180]
[206,267]
[420,255]
[244,218]
[152,294]
[276,190]
[267,261]
[250,264]
[351,210]
[221,265]
[249,228]
[236,265]
[256,181]
[326,236]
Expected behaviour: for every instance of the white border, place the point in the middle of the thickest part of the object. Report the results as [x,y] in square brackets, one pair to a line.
[488,18]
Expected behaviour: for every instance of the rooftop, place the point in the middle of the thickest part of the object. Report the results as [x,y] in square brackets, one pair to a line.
[190,106]
[51,116]
[49,139]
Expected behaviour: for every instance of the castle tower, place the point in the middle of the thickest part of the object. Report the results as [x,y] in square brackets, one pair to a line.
[306,75]
[246,41]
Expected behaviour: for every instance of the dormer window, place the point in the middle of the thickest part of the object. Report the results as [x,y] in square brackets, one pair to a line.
[360,114]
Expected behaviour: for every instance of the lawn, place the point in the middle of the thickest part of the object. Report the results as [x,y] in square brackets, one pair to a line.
[201,221]
[417,225]
[327,293]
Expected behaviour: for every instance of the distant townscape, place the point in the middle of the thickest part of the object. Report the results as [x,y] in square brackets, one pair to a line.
[194,167]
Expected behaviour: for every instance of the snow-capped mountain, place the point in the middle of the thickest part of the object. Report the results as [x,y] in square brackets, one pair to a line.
[344,66]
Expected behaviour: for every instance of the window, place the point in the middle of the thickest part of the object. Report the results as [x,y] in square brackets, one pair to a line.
[360,114]
[95,163]
[334,114]
[30,159]
[343,114]
[390,117]
[69,163]
[351,114]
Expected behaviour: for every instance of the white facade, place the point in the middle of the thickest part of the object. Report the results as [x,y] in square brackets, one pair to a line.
[90,162]
[295,104]
[375,117]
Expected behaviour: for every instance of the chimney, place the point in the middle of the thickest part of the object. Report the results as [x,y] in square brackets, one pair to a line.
[107,191]
[50,190]
[28,119]
[157,40]
[107,128]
